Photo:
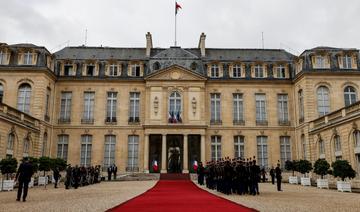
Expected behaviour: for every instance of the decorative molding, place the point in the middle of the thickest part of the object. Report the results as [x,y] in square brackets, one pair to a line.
[110,131]
[285,133]
[354,126]
[156,105]
[194,105]
[334,131]
[86,131]
[62,131]
[262,132]
[239,132]
[216,132]
[133,132]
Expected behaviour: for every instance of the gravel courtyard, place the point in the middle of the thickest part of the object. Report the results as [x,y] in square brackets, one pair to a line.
[108,194]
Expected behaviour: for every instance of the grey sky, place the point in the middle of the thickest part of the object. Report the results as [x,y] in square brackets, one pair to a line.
[295,24]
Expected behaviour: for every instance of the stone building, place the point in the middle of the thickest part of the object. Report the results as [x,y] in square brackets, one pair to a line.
[135,106]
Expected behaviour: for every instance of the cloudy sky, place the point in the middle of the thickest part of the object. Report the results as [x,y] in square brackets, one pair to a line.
[294,25]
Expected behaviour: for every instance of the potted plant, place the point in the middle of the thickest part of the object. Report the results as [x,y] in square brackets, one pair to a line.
[44,165]
[291,166]
[304,167]
[8,166]
[342,169]
[35,164]
[321,167]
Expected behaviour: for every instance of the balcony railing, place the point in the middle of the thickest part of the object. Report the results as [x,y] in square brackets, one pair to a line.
[284,123]
[134,120]
[215,122]
[238,122]
[110,120]
[18,116]
[64,120]
[87,121]
[261,122]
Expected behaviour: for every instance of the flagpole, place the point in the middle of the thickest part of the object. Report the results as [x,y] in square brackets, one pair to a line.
[175,23]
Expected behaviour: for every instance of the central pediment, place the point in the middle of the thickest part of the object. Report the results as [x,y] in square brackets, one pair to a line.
[175,72]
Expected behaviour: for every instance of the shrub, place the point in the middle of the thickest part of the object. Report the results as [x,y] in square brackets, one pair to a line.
[290,166]
[8,166]
[342,169]
[58,163]
[304,166]
[44,164]
[321,167]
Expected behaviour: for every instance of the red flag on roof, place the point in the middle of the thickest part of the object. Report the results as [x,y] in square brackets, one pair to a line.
[177,7]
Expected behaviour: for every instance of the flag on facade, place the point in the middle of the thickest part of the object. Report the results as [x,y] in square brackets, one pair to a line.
[155,166]
[195,166]
[178,117]
[177,7]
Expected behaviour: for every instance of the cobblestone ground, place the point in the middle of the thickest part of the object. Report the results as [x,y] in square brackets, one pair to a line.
[97,197]
[296,198]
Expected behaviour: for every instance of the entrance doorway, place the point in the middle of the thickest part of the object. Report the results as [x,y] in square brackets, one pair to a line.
[194,151]
[174,153]
[155,153]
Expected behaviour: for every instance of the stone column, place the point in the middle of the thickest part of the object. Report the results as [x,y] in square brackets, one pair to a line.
[163,154]
[146,154]
[202,149]
[185,155]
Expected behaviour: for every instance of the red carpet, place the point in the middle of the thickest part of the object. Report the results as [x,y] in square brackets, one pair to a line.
[178,195]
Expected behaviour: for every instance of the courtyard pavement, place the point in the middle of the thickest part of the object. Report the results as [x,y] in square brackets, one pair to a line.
[106,195]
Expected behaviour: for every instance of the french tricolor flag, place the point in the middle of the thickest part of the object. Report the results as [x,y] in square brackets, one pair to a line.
[195,166]
[155,166]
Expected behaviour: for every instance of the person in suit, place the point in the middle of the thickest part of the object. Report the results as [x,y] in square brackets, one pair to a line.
[57,175]
[272,174]
[114,170]
[278,177]
[23,175]
[109,171]
[201,173]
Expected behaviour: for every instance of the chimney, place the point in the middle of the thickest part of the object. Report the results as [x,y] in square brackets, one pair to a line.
[149,44]
[202,44]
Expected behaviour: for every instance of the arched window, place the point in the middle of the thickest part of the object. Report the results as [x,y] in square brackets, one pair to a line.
[1,92]
[323,100]
[156,66]
[10,143]
[337,143]
[175,108]
[301,105]
[349,95]
[26,148]
[357,138]
[303,144]
[43,152]
[24,95]
[321,149]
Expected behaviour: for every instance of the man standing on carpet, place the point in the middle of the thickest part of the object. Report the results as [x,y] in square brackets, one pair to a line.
[23,175]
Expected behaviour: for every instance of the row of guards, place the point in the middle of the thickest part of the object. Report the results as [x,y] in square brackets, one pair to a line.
[155,166]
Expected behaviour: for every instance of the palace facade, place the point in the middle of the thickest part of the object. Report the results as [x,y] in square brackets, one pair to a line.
[135,106]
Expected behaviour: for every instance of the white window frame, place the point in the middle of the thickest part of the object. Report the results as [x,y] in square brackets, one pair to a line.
[281,72]
[321,147]
[215,106]
[109,150]
[262,151]
[63,143]
[175,104]
[285,149]
[347,62]
[320,61]
[133,152]
[283,111]
[357,139]
[134,111]
[350,95]
[214,71]
[28,57]
[260,104]
[237,71]
[323,100]
[111,105]
[215,147]
[65,105]
[134,67]
[89,103]
[113,68]
[239,146]
[303,144]
[337,143]
[3,57]
[85,150]
[24,98]
[259,71]
[238,107]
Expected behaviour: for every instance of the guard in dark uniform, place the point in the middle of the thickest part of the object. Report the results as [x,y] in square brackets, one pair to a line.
[201,172]
[278,177]
[23,175]
[272,174]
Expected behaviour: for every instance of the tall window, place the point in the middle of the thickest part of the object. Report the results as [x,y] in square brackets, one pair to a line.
[319,62]
[135,70]
[89,100]
[321,147]
[357,138]
[301,105]
[134,110]
[215,147]
[24,95]
[1,93]
[86,145]
[175,108]
[259,71]
[323,100]
[349,95]
[337,143]
[90,70]
[283,113]
[44,146]
[28,57]
[62,146]
[113,70]
[238,108]
[109,153]
[262,151]
[239,146]
[285,150]
[347,62]
[133,150]
[10,144]
[215,108]
[237,71]
[260,108]
[281,71]
[111,107]
[65,110]
[26,147]
[214,71]
[47,103]
[68,70]
[303,144]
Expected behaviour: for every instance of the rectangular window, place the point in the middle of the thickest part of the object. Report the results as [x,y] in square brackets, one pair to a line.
[89,100]
[237,71]
[86,145]
[215,108]
[319,62]
[283,114]
[111,107]
[260,108]
[259,71]
[301,106]
[62,146]
[90,70]
[262,151]
[303,143]
[239,146]
[3,56]
[281,71]
[68,70]
[347,62]
[47,104]
[65,106]
[215,147]
[238,108]
[135,70]
[133,154]
[134,110]
[321,147]
[214,71]
[28,57]
[109,150]
[113,70]
[285,150]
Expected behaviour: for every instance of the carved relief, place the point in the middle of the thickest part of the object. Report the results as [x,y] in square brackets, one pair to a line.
[193,104]
[87,131]
[354,125]
[156,105]
[62,131]
[262,132]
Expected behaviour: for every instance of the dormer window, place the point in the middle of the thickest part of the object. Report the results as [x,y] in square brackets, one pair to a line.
[135,70]
[281,71]
[113,70]
[214,71]
[28,57]
[3,58]
[68,69]
[90,70]
[237,71]
[320,62]
[259,71]
[347,62]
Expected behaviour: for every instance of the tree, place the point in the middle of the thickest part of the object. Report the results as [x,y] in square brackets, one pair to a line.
[321,167]
[342,169]
[44,164]
[304,166]
[290,166]
[35,164]
[8,166]
[58,163]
